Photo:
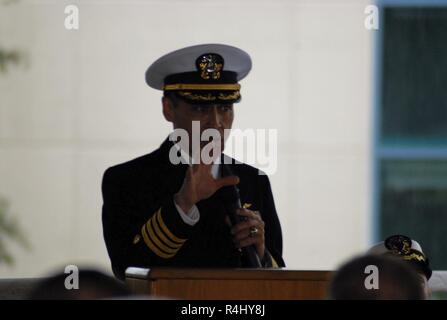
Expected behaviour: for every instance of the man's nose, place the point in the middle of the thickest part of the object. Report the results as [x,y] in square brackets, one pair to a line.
[214,117]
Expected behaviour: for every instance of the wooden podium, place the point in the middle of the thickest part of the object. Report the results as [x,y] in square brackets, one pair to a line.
[228,284]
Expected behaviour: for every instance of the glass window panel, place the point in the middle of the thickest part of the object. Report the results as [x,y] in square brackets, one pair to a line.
[414,202]
[414,77]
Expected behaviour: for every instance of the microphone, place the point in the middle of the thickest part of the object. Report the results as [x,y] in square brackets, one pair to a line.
[233,202]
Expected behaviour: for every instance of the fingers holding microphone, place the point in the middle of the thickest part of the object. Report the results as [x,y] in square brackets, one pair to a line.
[250,232]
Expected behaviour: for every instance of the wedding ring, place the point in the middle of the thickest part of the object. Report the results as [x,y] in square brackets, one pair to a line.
[253,231]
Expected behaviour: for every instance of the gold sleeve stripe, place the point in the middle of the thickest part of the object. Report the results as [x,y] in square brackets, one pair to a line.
[152,223]
[166,230]
[151,246]
[159,244]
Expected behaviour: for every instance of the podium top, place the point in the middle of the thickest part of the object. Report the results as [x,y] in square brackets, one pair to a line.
[246,273]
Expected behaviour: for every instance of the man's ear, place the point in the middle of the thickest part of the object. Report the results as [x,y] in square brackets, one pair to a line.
[168,109]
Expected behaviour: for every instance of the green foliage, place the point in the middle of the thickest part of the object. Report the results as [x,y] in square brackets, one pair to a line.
[9,227]
[9,232]
[9,57]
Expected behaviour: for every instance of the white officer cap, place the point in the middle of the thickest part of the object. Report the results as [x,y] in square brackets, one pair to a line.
[206,73]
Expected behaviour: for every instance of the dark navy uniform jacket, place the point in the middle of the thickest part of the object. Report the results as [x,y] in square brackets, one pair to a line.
[142,227]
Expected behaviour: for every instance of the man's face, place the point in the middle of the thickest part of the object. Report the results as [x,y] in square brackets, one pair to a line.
[210,116]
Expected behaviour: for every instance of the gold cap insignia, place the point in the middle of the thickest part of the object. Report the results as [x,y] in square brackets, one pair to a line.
[210,66]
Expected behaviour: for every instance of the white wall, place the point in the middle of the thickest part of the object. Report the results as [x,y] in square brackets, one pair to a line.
[82,105]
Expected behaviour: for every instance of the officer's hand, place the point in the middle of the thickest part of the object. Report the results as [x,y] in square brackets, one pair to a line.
[199,184]
[249,232]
